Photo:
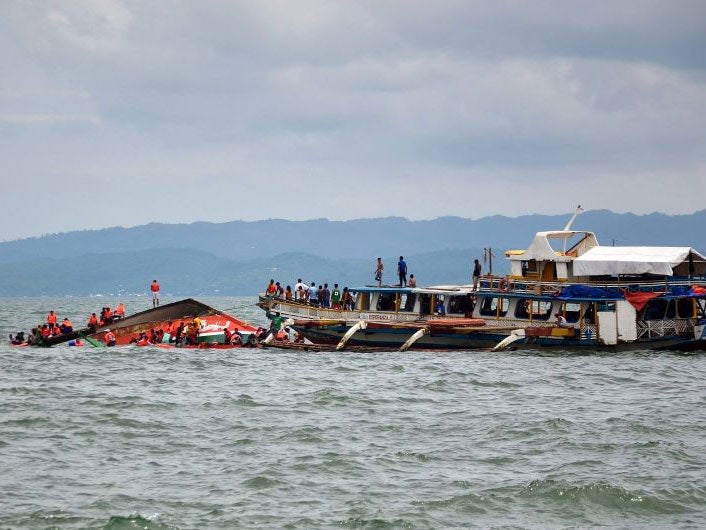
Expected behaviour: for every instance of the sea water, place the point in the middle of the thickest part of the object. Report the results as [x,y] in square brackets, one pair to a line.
[152,438]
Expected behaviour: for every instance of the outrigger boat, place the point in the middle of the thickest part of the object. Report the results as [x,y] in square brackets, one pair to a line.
[128,329]
[619,298]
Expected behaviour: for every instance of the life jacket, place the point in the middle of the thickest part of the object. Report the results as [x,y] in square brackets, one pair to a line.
[143,341]
[154,287]
[51,318]
[108,313]
[271,289]
[93,320]
[120,310]
[68,323]
[281,335]
[109,337]
[45,332]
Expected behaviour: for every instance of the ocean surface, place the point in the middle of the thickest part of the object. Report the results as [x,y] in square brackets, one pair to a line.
[132,437]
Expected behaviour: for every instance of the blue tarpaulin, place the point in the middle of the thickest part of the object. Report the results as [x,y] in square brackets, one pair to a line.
[584,292]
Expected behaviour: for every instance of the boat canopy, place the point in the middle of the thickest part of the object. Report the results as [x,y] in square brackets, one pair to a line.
[613,261]
[541,247]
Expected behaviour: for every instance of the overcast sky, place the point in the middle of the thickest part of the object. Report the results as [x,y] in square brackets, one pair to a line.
[120,112]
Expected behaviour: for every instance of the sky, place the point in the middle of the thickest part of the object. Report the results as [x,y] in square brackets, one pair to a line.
[122,112]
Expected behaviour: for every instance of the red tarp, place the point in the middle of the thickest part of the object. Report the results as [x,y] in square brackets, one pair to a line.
[639,300]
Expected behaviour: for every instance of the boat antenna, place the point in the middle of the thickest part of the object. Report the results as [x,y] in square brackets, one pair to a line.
[573,217]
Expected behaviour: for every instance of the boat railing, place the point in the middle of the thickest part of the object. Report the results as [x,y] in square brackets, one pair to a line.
[664,328]
[537,287]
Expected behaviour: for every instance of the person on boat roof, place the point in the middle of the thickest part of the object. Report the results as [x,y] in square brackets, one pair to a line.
[476,274]
[402,271]
[379,268]
[412,281]
[154,287]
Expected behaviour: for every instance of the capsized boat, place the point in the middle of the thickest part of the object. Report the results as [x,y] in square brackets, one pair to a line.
[170,315]
[619,298]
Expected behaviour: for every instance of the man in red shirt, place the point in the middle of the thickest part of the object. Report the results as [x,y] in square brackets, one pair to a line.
[155,293]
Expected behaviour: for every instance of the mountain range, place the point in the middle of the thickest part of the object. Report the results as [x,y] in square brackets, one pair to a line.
[239,257]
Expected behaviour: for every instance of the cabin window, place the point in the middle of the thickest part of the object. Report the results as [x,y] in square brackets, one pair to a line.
[522,309]
[407,302]
[606,307]
[572,311]
[655,309]
[424,304]
[490,307]
[386,302]
[685,307]
[460,304]
[589,314]
[541,310]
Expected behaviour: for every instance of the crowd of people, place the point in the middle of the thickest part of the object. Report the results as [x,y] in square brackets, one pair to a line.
[321,296]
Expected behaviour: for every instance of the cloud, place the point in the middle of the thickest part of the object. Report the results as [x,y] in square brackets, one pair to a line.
[371,107]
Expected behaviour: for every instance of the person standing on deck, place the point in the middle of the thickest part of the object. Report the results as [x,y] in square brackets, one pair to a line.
[51,320]
[378,272]
[476,274]
[402,271]
[155,293]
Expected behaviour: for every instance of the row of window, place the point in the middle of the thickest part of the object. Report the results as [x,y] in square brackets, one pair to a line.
[656,309]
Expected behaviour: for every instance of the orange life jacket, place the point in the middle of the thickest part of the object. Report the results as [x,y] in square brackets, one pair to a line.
[109,337]
[272,288]
[154,287]
[120,310]
[51,318]
[67,322]
[93,320]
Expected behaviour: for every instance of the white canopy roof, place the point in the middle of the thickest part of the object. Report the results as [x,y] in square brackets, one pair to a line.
[541,247]
[599,261]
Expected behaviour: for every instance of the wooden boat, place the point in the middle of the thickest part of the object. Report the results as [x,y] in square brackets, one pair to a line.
[618,298]
[128,329]
[211,333]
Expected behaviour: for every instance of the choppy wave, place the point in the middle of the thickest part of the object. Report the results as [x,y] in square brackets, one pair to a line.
[159,439]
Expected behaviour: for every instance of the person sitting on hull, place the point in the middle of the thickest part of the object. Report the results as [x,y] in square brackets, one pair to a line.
[66,327]
[109,338]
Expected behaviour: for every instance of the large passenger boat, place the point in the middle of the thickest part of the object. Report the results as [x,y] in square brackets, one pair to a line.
[564,291]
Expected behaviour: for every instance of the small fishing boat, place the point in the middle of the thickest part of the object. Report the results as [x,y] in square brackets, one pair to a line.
[564,291]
